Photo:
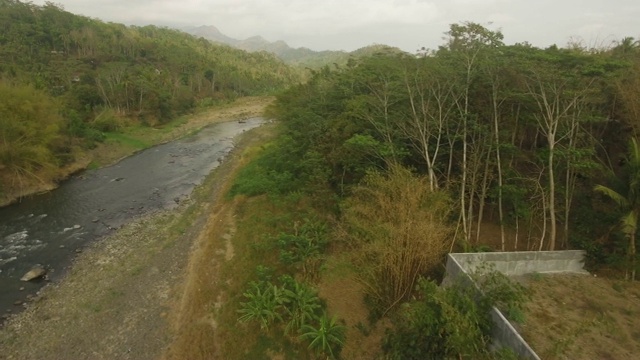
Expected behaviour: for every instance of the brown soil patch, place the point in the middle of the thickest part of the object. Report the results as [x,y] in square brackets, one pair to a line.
[582,317]
[345,299]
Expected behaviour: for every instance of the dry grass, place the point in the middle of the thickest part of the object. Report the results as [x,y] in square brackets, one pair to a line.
[397,231]
[344,296]
[196,318]
[582,317]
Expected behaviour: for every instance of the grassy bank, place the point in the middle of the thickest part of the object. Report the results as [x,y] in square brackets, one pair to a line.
[126,142]
[240,245]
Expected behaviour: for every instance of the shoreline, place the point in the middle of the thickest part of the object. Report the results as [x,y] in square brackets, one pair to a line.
[122,296]
[109,153]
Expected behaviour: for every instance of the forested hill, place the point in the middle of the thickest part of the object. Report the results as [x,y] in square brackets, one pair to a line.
[65,79]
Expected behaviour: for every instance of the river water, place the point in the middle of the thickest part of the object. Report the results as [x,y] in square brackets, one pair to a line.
[50,229]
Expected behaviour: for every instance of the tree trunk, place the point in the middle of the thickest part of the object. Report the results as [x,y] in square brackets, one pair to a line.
[552,197]
[632,254]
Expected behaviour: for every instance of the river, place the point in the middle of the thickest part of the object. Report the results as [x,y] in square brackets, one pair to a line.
[51,228]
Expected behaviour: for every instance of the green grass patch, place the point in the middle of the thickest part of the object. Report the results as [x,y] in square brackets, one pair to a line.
[126,140]
[175,123]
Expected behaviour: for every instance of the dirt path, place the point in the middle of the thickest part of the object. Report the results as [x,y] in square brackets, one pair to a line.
[135,294]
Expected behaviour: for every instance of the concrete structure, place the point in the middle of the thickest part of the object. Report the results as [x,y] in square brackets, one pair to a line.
[460,265]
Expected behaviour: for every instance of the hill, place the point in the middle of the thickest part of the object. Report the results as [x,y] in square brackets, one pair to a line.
[295,56]
[66,80]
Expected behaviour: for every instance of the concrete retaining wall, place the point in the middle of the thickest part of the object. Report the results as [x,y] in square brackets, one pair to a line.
[512,264]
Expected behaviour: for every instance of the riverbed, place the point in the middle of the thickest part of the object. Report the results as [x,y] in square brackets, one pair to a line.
[51,228]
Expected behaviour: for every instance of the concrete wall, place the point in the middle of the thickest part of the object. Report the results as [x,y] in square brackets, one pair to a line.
[513,263]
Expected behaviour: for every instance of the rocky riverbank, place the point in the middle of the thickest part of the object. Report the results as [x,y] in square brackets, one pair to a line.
[123,296]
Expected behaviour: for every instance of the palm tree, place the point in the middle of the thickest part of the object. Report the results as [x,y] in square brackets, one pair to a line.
[301,305]
[263,305]
[327,338]
[628,199]
[626,46]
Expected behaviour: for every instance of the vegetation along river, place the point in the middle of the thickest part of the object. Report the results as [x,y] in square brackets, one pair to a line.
[49,229]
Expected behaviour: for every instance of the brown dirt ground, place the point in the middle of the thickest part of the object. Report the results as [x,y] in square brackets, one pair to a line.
[582,317]
[137,294]
[345,297]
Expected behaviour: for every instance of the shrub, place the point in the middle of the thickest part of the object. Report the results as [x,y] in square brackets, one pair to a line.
[397,229]
[327,338]
[304,246]
[453,321]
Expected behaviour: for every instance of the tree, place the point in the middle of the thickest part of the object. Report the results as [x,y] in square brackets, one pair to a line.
[398,232]
[627,197]
[431,102]
[557,94]
[29,128]
[468,44]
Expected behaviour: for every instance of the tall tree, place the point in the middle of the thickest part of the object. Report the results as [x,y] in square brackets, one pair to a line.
[557,94]
[467,46]
[627,196]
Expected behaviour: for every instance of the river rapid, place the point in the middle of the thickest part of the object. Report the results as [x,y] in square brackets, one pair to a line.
[51,228]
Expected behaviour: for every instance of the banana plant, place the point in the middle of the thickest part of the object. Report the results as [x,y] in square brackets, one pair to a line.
[263,305]
[327,338]
[301,306]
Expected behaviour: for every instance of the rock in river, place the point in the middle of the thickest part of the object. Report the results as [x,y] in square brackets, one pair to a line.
[36,272]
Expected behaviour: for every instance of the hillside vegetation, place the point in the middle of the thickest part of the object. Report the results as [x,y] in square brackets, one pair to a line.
[67,80]
[386,164]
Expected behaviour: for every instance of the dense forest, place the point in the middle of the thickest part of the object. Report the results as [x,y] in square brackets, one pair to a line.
[66,79]
[515,134]
[474,146]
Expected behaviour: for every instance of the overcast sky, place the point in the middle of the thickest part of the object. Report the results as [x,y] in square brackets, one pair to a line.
[407,24]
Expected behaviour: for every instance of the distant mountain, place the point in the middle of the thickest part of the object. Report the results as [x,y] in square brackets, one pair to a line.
[295,56]
[212,33]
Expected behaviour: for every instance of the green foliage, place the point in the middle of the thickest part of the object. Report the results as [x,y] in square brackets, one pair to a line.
[282,168]
[499,291]
[442,323]
[326,337]
[628,200]
[304,246]
[263,304]
[257,177]
[452,321]
[302,305]
[29,129]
